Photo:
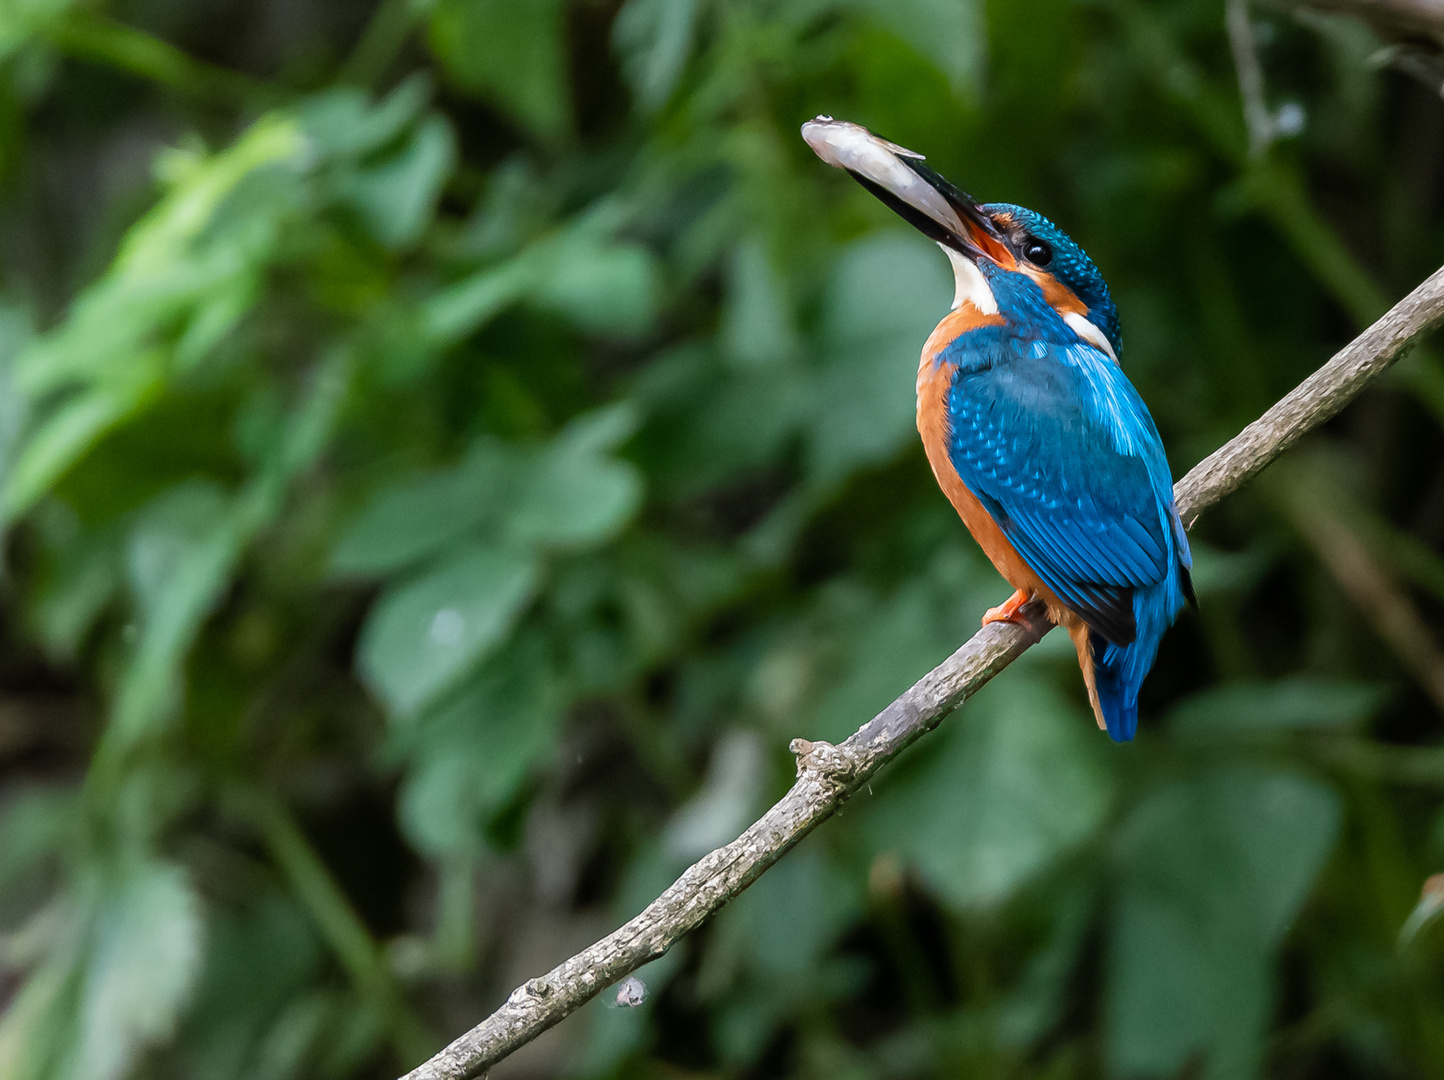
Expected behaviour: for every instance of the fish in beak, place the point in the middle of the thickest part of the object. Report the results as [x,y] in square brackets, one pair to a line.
[920,196]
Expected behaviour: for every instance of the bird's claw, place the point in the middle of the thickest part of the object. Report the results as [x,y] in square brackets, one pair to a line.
[1009,610]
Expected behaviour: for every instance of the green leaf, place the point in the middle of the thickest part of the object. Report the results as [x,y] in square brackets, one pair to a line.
[654,40]
[1016,782]
[575,494]
[184,546]
[513,54]
[259,960]
[145,951]
[182,278]
[71,592]
[885,296]
[472,752]
[343,122]
[33,1026]
[727,800]
[771,947]
[601,286]
[422,636]
[165,537]
[1224,572]
[397,196]
[580,273]
[16,331]
[122,959]
[950,33]
[413,518]
[450,314]
[785,923]
[570,493]
[757,326]
[1293,704]
[67,431]
[890,645]
[708,422]
[1211,871]
[24,21]
[35,824]
[179,555]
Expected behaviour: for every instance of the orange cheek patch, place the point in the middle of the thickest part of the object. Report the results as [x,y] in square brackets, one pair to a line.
[1061,298]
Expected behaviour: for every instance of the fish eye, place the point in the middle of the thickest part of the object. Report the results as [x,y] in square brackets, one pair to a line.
[1038,252]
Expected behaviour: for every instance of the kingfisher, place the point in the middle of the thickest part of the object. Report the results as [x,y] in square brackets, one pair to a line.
[1034,433]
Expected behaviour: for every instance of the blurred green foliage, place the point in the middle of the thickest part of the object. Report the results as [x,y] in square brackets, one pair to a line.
[448,448]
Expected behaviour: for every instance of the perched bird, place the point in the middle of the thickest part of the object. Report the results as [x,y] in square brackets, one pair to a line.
[1033,431]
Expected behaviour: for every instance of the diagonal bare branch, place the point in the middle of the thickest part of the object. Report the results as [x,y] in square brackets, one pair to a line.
[827,774]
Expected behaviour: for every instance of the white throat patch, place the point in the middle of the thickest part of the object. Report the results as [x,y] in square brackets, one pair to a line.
[1090,333]
[969,284]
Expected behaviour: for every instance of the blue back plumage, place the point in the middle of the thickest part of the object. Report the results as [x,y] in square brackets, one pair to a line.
[1052,438]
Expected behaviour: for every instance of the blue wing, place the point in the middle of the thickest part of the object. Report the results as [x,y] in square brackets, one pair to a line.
[1057,445]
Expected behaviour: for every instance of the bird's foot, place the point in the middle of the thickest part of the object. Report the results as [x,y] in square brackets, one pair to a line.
[1009,610]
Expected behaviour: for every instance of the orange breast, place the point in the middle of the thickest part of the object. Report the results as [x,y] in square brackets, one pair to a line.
[1063,299]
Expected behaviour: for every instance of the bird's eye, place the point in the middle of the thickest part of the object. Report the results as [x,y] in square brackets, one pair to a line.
[1038,252]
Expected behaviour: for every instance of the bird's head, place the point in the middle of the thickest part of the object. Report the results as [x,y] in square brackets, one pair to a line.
[983,240]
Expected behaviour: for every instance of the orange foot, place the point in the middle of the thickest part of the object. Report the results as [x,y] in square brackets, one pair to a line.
[1008,610]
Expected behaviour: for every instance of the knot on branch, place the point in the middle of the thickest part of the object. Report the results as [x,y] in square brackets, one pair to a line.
[537,988]
[831,762]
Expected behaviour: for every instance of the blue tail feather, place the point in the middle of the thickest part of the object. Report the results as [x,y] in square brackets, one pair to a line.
[1119,670]
[1117,699]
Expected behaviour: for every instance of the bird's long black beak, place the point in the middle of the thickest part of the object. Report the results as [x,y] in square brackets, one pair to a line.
[899,178]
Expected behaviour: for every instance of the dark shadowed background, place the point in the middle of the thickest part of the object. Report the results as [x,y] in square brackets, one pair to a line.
[448,449]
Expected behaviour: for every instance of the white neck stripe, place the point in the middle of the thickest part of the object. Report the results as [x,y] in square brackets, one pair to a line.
[969,283]
[1090,333]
